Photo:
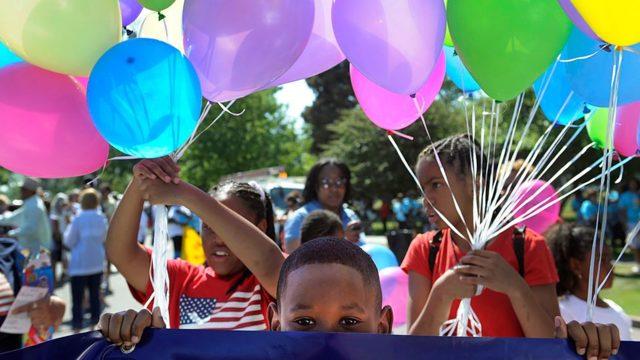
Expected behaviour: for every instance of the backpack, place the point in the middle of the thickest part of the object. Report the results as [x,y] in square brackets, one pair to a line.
[518,248]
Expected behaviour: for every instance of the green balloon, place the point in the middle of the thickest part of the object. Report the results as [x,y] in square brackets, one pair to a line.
[156,5]
[597,127]
[507,44]
[447,35]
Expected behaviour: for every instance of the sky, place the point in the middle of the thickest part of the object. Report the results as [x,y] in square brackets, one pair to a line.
[296,96]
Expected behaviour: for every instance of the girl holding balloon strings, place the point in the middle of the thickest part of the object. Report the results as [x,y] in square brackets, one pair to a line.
[516,268]
[234,289]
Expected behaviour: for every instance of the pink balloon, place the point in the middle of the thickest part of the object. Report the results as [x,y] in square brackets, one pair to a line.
[238,47]
[394,43]
[45,127]
[545,219]
[84,81]
[392,111]
[627,131]
[322,52]
[395,293]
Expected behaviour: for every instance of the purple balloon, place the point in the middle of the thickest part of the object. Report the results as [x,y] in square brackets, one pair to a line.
[130,10]
[322,52]
[577,19]
[394,43]
[240,46]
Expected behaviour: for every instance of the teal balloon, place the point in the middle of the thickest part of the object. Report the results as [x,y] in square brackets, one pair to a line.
[144,97]
[382,256]
[458,73]
[559,102]
[7,57]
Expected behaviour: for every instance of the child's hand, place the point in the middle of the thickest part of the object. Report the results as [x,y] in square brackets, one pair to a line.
[164,169]
[44,313]
[451,288]
[160,193]
[489,269]
[125,328]
[594,341]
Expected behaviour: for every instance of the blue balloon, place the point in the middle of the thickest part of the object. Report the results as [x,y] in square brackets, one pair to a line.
[556,95]
[144,97]
[382,256]
[591,77]
[7,57]
[458,73]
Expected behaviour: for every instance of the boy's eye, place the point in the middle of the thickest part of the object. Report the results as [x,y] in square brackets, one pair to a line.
[305,322]
[436,185]
[349,322]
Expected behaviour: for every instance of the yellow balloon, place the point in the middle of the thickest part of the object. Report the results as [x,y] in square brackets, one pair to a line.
[614,21]
[65,36]
[154,28]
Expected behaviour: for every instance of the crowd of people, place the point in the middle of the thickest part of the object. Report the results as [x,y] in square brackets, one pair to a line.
[312,275]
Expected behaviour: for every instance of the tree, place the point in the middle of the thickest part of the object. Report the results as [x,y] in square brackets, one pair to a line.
[333,94]
[260,137]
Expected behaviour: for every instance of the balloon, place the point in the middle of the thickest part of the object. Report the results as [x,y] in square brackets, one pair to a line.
[382,256]
[395,293]
[144,97]
[156,5]
[7,57]
[577,19]
[394,43]
[597,127]
[447,35]
[559,103]
[627,130]
[458,73]
[507,44]
[130,10]
[391,111]
[62,36]
[45,126]
[591,77]
[322,52]
[616,22]
[240,46]
[154,28]
[546,218]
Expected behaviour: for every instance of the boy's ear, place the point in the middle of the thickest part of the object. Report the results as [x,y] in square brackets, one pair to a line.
[274,317]
[262,225]
[386,320]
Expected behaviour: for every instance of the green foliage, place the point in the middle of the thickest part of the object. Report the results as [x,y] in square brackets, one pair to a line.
[261,137]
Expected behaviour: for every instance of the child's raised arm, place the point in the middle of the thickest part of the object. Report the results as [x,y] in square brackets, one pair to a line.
[123,249]
[252,246]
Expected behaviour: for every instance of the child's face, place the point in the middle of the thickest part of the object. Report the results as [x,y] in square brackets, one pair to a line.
[329,298]
[332,187]
[605,266]
[218,255]
[438,195]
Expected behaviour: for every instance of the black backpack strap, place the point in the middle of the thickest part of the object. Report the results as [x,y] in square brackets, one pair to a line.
[518,247]
[434,247]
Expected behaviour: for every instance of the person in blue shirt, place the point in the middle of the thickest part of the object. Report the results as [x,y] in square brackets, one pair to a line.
[589,208]
[327,187]
[629,206]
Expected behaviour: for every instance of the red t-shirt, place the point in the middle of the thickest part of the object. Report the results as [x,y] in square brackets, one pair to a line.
[199,299]
[494,309]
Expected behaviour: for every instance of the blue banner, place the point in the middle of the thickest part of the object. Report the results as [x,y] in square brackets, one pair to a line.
[207,344]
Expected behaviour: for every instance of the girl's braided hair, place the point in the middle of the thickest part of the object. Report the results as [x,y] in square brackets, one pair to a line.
[569,241]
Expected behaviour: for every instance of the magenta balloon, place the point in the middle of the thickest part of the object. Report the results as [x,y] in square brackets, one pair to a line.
[627,129]
[322,52]
[395,293]
[577,19]
[545,219]
[45,127]
[391,111]
[240,46]
[130,10]
[394,43]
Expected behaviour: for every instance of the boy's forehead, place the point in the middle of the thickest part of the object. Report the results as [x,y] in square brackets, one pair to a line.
[326,277]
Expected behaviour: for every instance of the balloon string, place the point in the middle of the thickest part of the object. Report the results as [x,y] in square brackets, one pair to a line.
[397,133]
[631,50]
[585,57]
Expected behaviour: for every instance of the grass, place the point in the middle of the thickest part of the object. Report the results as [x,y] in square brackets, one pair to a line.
[626,290]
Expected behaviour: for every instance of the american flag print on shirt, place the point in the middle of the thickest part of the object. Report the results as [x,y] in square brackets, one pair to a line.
[6,295]
[242,311]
